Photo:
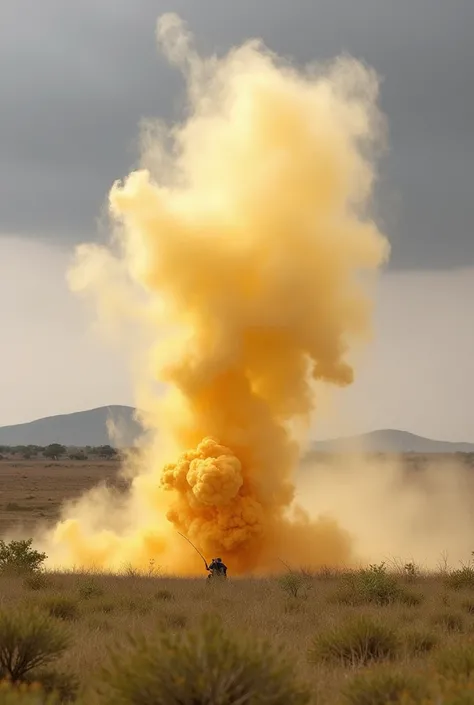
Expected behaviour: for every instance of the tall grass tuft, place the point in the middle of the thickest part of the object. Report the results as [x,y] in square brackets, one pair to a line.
[358,642]
[382,687]
[207,666]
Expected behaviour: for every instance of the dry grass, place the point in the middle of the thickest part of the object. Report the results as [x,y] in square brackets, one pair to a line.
[423,633]
[415,640]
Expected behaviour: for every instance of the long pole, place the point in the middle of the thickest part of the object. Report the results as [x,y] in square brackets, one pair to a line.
[285,564]
[197,550]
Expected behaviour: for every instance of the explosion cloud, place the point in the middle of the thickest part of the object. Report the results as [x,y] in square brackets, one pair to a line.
[241,252]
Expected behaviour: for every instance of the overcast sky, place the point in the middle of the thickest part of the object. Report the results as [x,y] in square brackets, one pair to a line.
[76,79]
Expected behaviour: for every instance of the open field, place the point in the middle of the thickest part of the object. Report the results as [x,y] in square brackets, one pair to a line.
[400,631]
[33,490]
[413,637]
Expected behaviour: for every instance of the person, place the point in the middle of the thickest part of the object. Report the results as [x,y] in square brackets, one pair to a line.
[217,569]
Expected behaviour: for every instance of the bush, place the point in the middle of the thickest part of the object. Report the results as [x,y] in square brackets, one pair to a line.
[62,607]
[372,585]
[28,641]
[104,451]
[77,455]
[54,451]
[207,666]
[461,579]
[382,688]
[293,583]
[19,557]
[358,642]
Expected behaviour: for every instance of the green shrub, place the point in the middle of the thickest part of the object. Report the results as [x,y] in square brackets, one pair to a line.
[207,666]
[382,688]
[77,455]
[460,579]
[62,607]
[293,583]
[357,642]
[19,557]
[28,640]
[372,585]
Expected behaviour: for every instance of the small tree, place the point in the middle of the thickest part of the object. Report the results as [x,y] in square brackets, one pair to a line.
[105,451]
[293,583]
[77,455]
[28,641]
[54,451]
[20,557]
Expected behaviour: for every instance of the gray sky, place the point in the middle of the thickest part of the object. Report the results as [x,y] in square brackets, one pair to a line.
[76,79]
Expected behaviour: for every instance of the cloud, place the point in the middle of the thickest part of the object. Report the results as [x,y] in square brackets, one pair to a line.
[76,80]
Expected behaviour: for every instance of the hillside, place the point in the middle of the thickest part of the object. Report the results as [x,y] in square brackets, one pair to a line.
[391,441]
[90,428]
[82,428]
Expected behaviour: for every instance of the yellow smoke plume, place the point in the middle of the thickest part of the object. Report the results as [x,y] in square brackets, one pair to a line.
[241,253]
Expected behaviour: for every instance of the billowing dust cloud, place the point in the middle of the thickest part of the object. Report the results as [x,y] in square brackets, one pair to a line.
[242,253]
[397,509]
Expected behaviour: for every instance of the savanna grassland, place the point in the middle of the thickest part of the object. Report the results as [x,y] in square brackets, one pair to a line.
[381,634]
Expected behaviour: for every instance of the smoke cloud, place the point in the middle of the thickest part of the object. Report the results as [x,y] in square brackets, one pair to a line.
[242,257]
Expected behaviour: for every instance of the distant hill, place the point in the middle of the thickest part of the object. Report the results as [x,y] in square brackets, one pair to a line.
[391,441]
[85,428]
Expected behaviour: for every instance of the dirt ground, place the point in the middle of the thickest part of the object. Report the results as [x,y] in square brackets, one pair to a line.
[33,490]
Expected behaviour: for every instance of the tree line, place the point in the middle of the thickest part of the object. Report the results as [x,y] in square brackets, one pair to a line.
[55,451]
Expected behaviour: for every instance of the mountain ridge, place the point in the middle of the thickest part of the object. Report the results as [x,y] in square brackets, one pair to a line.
[89,428]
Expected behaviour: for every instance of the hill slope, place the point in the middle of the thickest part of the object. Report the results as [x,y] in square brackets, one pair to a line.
[90,428]
[391,441]
[83,428]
